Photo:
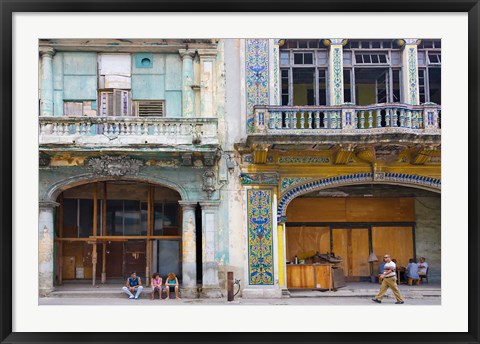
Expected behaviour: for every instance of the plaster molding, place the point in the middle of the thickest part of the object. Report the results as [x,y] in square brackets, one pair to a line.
[47,51]
[115,165]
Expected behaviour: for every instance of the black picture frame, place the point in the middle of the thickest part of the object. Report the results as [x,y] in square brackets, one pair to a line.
[9,7]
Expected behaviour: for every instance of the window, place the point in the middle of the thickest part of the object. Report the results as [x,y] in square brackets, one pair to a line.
[303,58]
[73,109]
[434,58]
[304,72]
[115,103]
[369,58]
[149,108]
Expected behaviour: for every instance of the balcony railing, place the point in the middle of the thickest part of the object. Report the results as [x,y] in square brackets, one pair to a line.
[121,131]
[377,118]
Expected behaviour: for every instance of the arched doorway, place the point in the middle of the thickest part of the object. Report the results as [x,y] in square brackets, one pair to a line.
[105,230]
[354,221]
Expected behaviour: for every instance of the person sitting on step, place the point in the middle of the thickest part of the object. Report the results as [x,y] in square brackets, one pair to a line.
[133,285]
[172,283]
[156,285]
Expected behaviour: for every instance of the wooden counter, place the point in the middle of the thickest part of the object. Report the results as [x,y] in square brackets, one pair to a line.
[309,276]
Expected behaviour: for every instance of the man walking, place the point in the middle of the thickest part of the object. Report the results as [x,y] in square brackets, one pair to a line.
[389,281]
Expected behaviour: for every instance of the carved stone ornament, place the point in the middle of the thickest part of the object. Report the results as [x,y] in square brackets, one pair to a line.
[209,181]
[115,165]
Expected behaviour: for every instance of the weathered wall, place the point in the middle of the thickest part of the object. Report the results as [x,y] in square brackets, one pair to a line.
[428,234]
[231,211]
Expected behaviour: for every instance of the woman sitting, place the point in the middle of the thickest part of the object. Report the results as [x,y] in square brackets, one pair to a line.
[156,285]
[172,283]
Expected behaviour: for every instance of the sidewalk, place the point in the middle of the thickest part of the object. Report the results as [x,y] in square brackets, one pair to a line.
[352,294]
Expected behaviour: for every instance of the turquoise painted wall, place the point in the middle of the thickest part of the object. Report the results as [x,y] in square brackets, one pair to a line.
[79,76]
[75,78]
[163,80]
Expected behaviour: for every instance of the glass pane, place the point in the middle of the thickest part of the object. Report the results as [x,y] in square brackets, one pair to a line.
[358,58]
[313,44]
[114,217]
[365,44]
[367,58]
[421,58]
[171,214]
[298,58]
[438,44]
[86,218]
[308,58]
[354,44]
[144,217]
[387,44]
[347,58]
[322,57]
[302,43]
[158,224]
[169,258]
[383,58]
[284,73]
[375,44]
[428,44]
[375,58]
[284,55]
[132,219]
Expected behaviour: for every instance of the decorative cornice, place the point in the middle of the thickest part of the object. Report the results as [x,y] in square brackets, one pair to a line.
[115,165]
[47,205]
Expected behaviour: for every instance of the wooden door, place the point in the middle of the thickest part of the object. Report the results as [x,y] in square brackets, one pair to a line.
[396,241]
[68,268]
[352,246]
[135,258]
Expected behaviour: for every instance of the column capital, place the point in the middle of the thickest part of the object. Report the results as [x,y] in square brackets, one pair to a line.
[336,41]
[187,205]
[281,219]
[209,204]
[411,41]
[47,51]
[186,54]
[48,204]
[207,53]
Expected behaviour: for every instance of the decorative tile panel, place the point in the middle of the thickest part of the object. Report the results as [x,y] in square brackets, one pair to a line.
[259,178]
[256,78]
[412,75]
[291,181]
[276,75]
[304,160]
[359,178]
[260,238]
[337,75]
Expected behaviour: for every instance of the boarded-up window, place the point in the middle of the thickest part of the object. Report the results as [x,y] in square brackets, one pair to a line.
[114,71]
[73,108]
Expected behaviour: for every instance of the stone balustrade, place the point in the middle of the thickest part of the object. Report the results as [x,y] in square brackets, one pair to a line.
[121,131]
[348,118]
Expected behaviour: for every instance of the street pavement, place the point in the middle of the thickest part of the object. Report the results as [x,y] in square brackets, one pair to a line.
[301,301]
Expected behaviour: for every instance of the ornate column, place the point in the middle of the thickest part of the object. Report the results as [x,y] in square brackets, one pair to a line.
[188,95]
[45,247]
[274,71]
[410,72]
[335,71]
[46,95]
[210,286]
[207,60]
[189,247]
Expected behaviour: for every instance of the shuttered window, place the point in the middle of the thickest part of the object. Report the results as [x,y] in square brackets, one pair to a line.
[115,103]
[149,108]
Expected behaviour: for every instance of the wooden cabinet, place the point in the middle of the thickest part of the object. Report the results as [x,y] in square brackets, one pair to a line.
[309,276]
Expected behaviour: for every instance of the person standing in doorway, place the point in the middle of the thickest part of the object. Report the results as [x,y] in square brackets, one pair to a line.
[133,285]
[389,280]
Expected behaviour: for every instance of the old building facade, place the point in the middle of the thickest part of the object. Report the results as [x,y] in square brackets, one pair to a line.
[207,156]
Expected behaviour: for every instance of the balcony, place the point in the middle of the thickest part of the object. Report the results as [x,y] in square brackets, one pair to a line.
[159,133]
[346,123]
